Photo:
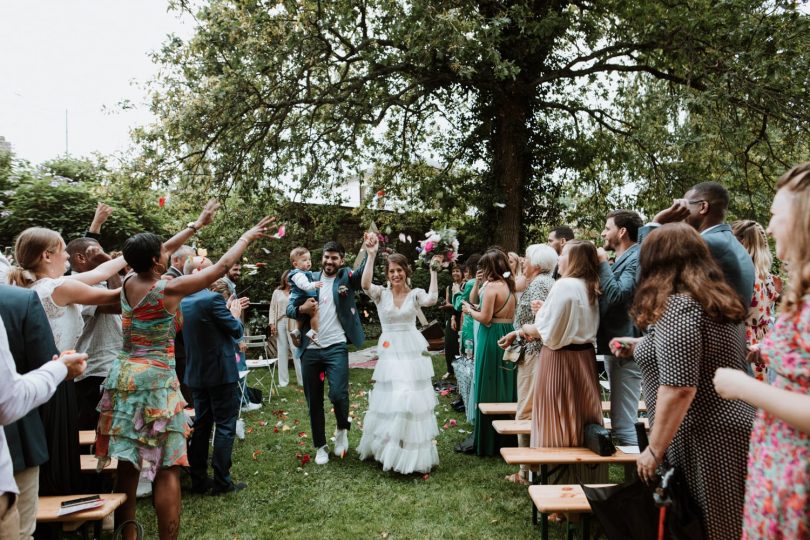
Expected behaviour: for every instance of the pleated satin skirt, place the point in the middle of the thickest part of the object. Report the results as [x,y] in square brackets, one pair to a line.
[566,397]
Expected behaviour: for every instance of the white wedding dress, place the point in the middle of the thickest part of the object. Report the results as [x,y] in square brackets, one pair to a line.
[400,429]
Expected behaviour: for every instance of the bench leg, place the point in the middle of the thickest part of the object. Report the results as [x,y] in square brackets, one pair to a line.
[543,517]
[586,527]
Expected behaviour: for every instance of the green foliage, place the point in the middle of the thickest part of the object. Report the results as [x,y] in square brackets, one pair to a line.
[514,115]
[62,195]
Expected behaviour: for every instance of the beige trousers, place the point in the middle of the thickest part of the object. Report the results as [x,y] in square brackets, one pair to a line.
[28,501]
[9,517]
[526,373]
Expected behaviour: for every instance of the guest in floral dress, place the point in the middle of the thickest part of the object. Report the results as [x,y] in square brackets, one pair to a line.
[777,497]
[141,421]
[758,322]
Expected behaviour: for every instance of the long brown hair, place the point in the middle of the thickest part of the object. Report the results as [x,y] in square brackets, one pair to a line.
[675,259]
[283,284]
[797,182]
[494,264]
[583,263]
[28,250]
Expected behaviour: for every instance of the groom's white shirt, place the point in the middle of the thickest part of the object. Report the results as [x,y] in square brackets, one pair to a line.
[330,332]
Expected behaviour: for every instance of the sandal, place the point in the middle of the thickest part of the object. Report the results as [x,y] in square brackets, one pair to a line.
[517,478]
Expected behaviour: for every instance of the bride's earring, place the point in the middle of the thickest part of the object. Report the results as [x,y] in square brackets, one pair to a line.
[387,284]
[408,281]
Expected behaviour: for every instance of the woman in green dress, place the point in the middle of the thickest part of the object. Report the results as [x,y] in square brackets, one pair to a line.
[468,331]
[495,380]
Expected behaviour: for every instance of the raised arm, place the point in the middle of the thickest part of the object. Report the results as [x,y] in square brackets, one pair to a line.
[371,246]
[206,216]
[101,272]
[185,285]
[72,291]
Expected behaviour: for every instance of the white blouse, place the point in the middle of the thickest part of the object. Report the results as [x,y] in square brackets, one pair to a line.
[568,316]
[66,321]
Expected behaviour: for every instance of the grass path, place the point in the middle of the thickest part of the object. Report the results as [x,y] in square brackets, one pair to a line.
[464,497]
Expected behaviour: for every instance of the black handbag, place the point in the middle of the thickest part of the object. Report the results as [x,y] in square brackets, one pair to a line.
[597,439]
[626,511]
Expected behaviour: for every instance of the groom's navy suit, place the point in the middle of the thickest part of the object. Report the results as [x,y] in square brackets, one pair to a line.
[331,360]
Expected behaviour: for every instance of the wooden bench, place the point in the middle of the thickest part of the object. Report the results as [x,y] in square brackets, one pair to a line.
[503,409]
[48,511]
[87,437]
[545,457]
[642,406]
[89,464]
[563,499]
[499,409]
[524,427]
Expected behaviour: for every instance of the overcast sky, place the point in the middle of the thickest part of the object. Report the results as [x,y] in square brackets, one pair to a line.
[80,56]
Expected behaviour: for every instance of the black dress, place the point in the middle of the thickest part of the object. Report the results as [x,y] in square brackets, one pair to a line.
[684,349]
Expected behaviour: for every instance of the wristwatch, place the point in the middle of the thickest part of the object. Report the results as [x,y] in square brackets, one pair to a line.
[193,226]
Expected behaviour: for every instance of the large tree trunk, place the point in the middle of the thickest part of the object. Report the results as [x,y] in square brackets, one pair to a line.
[511,166]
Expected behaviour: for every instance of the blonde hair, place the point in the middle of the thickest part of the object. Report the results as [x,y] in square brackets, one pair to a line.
[754,239]
[298,252]
[219,286]
[797,182]
[28,250]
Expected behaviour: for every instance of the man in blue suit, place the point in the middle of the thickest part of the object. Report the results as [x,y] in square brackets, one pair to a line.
[209,330]
[339,323]
[704,208]
[618,283]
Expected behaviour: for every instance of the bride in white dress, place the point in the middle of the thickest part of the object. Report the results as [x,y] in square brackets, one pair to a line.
[399,429]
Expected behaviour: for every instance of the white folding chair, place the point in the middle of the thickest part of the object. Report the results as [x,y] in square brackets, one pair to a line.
[260,342]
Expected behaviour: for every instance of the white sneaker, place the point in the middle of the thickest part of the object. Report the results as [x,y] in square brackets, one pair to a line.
[251,407]
[341,442]
[322,455]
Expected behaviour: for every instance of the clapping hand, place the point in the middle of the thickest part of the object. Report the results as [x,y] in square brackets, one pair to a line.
[536,305]
[74,362]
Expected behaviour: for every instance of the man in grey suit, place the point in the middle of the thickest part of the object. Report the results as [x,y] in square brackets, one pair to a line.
[618,283]
[704,208]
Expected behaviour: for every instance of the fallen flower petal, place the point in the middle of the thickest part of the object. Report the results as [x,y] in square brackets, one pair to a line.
[256,454]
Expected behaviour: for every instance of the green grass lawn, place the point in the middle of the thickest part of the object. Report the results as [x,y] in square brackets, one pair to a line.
[464,497]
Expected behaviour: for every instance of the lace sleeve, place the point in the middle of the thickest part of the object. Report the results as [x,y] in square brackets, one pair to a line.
[374,292]
[424,299]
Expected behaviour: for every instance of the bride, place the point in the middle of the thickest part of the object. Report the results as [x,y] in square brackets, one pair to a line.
[399,429]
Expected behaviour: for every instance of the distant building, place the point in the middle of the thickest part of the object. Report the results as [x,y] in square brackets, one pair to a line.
[5,146]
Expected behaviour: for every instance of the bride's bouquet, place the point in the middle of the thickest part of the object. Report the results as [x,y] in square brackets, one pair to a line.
[442,243]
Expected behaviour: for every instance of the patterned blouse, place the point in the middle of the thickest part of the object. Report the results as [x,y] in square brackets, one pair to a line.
[758,322]
[538,289]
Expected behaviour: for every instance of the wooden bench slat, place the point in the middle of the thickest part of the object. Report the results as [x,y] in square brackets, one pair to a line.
[89,464]
[498,408]
[524,427]
[87,437]
[49,508]
[561,456]
[511,408]
[569,499]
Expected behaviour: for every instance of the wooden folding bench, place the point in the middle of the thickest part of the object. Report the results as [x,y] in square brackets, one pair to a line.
[90,463]
[48,511]
[564,499]
[524,427]
[498,409]
[642,406]
[545,457]
[87,437]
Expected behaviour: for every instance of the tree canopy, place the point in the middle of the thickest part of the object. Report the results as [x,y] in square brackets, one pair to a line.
[520,112]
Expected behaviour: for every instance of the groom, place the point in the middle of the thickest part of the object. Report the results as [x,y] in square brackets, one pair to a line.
[339,323]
